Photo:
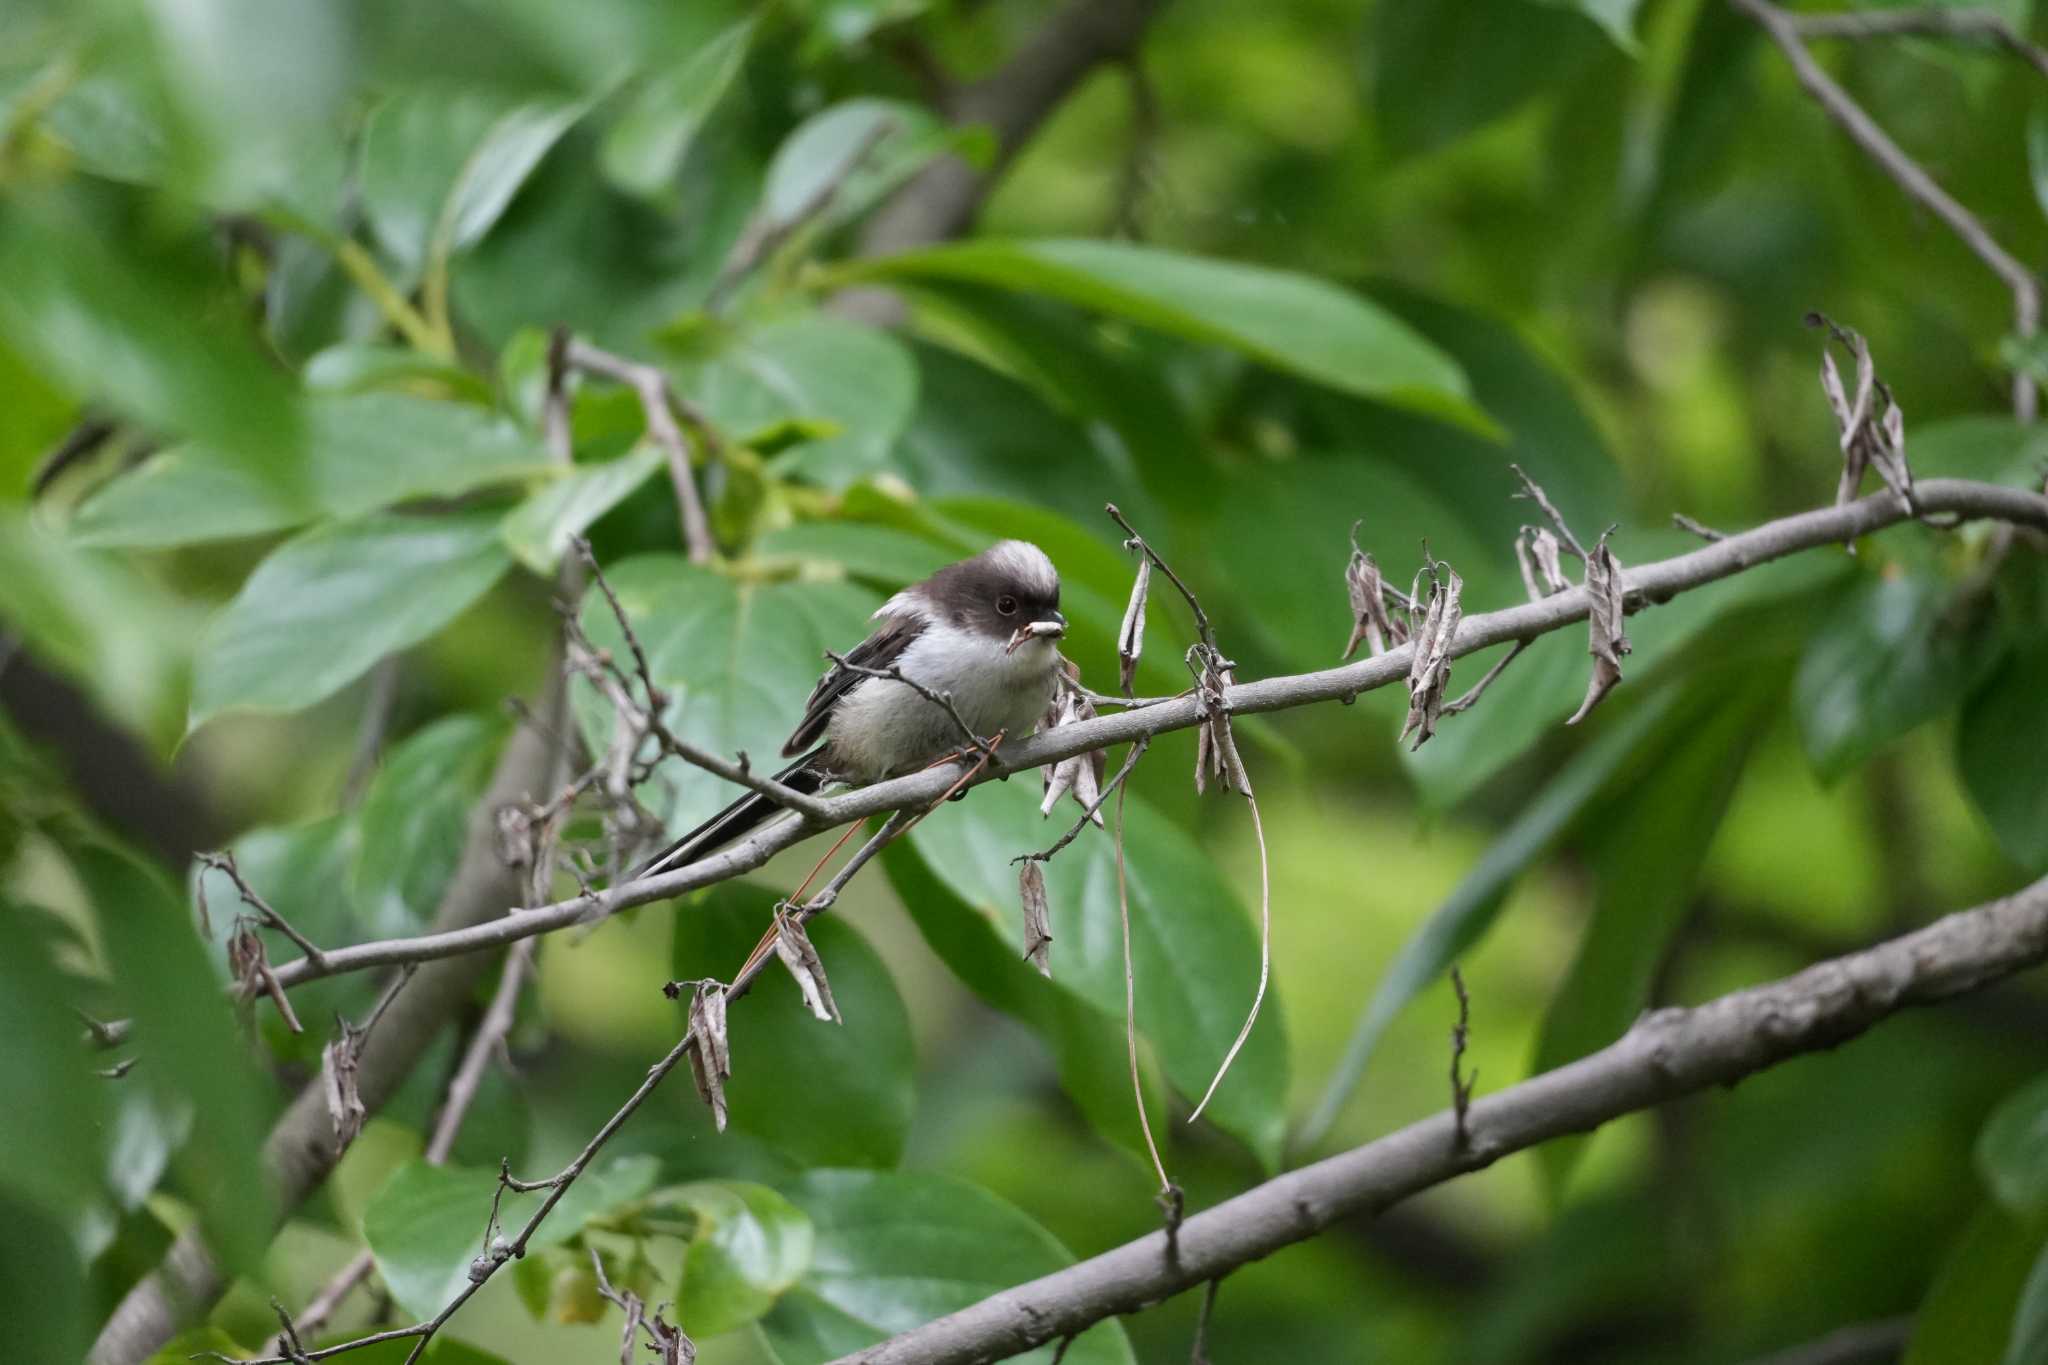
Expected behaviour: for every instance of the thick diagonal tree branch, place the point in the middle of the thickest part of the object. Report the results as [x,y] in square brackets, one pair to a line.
[1668,1053]
[1644,585]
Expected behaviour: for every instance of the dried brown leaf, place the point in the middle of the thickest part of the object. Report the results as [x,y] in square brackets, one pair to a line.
[338,1082]
[1541,557]
[1429,673]
[1037,916]
[1130,636]
[1081,774]
[798,954]
[710,1051]
[1370,621]
[1606,625]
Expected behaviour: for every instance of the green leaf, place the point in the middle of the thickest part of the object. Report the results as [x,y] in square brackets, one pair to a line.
[155,345]
[42,1283]
[415,146]
[539,529]
[2003,718]
[812,367]
[1646,852]
[122,635]
[823,1094]
[1969,1309]
[350,367]
[492,174]
[1993,449]
[2012,1150]
[823,146]
[880,556]
[1617,18]
[1892,656]
[1507,53]
[2037,155]
[645,147]
[326,606]
[49,1148]
[2029,1342]
[1194,949]
[362,452]
[1292,322]
[1470,910]
[896,1250]
[739,658]
[751,1245]
[195,1055]
[427,1224]
[415,820]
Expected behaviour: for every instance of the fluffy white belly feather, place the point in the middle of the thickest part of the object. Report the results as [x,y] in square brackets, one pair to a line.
[882,728]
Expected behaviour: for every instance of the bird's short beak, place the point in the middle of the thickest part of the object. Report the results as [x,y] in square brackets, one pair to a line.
[1053,627]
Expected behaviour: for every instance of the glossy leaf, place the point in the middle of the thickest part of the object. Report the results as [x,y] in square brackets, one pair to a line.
[1508,52]
[880,556]
[2012,1150]
[1470,910]
[1646,854]
[813,368]
[739,658]
[49,1149]
[2006,717]
[326,606]
[1892,656]
[645,147]
[196,1056]
[1196,956]
[1617,18]
[1969,1309]
[361,366]
[750,1246]
[415,818]
[1994,449]
[427,1224]
[893,139]
[1291,322]
[493,173]
[538,530]
[822,1094]
[361,453]
[895,1250]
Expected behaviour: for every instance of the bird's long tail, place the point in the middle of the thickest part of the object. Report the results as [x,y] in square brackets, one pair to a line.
[742,817]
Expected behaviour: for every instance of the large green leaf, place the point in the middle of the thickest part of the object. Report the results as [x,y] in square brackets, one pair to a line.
[823,1094]
[899,138]
[494,171]
[122,635]
[415,818]
[1195,951]
[539,529]
[2012,1150]
[42,1282]
[1469,911]
[1894,654]
[738,657]
[645,147]
[1969,1309]
[1646,853]
[194,1056]
[1440,71]
[361,452]
[2006,717]
[160,346]
[50,1148]
[812,369]
[750,1246]
[427,1224]
[1291,322]
[326,606]
[1980,446]
[895,1251]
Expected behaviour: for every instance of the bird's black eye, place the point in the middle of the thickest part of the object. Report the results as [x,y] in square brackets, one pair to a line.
[1007,605]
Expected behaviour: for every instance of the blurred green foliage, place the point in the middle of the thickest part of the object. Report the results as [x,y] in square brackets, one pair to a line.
[1304,265]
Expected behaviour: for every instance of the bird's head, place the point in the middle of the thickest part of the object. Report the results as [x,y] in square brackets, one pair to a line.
[1010,593]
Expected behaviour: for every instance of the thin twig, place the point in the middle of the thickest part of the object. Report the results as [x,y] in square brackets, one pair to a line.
[1461,1085]
[1698,528]
[1471,698]
[1784,30]
[1534,492]
[1935,21]
[1200,1354]
[1123,906]
[223,862]
[1265,959]
[1139,543]
[659,402]
[1045,855]
[942,700]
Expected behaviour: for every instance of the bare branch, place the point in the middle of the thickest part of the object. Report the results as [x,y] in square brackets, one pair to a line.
[1784,30]
[1645,584]
[1935,21]
[658,400]
[223,862]
[1666,1054]
[1139,543]
[1461,1085]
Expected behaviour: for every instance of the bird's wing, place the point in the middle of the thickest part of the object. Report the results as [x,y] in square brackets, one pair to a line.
[879,650]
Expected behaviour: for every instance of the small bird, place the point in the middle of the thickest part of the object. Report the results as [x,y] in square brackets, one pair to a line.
[984,632]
